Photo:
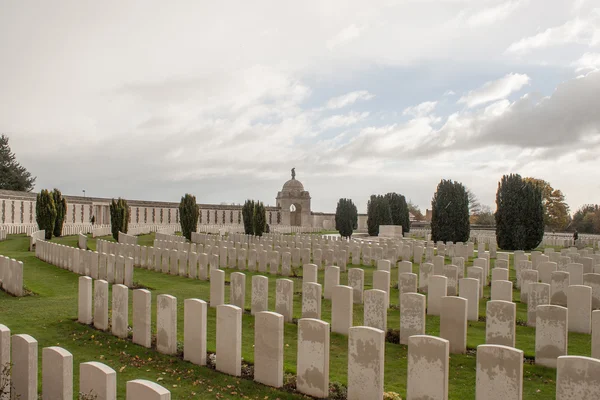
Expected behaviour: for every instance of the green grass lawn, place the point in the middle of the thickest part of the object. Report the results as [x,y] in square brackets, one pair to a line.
[50,314]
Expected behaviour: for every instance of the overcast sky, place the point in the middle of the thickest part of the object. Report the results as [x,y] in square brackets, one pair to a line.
[153,99]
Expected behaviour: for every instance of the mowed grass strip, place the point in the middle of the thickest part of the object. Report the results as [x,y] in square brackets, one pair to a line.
[54,306]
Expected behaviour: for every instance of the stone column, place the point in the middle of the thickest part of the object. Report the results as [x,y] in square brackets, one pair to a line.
[194,331]
[332,279]
[341,309]
[579,303]
[140,389]
[166,324]
[217,287]
[539,294]
[577,378]
[453,323]
[120,310]
[101,305]
[84,315]
[437,290]
[260,294]
[428,369]
[311,300]
[142,317]
[229,339]
[24,367]
[551,334]
[284,299]
[501,290]
[309,273]
[57,374]
[366,352]
[375,309]
[500,323]
[412,316]
[313,358]
[499,373]
[98,379]
[356,279]
[268,348]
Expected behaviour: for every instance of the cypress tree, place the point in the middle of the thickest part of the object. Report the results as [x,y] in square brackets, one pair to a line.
[119,217]
[45,212]
[189,212]
[519,214]
[378,213]
[450,213]
[346,217]
[248,217]
[13,176]
[399,210]
[259,220]
[61,210]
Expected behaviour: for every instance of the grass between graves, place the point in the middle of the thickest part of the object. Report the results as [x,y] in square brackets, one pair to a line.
[50,314]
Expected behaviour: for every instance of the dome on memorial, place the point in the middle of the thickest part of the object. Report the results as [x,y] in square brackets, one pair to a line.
[292,185]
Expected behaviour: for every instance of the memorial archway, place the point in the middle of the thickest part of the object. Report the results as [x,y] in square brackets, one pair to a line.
[296,215]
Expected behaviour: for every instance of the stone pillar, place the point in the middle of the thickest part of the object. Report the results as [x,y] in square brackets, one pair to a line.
[500,323]
[260,294]
[217,287]
[579,303]
[381,281]
[120,310]
[425,271]
[412,315]
[284,299]
[437,290]
[428,370]
[539,294]
[101,305]
[57,374]
[237,289]
[268,348]
[528,277]
[194,331]
[332,279]
[311,300]
[453,323]
[499,373]
[229,339]
[501,290]
[24,367]
[341,309]
[550,334]
[356,279]
[98,380]
[375,309]
[84,315]
[142,317]
[468,288]
[577,378]
[309,273]
[312,367]
[366,353]
[595,334]
[166,324]
[140,389]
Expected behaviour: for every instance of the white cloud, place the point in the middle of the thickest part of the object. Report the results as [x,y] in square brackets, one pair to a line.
[588,62]
[339,121]
[495,90]
[449,93]
[344,36]
[493,14]
[585,31]
[348,99]
[420,110]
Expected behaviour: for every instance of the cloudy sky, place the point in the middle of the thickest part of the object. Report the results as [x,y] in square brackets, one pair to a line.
[152,99]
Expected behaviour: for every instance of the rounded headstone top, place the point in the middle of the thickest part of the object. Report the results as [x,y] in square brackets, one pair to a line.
[292,185]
